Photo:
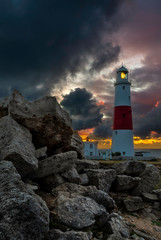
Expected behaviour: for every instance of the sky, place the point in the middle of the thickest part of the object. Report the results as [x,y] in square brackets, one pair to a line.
[72,49]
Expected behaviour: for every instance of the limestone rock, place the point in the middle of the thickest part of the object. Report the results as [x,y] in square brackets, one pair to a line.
[118,226]
[16,146]
[101,178]
[77,145]
[124,182]
[75,190]
[84,179]
[79,212]
[24,215]
[158,192]
[56,234]
[150,197]
[149,178]
[131,168]
[49,124]
[41,153]
[133,204]
[57,163]
[72,176]
[83,164]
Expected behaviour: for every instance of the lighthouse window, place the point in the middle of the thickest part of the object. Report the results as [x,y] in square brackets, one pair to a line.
[123,87]
[115,132]
[123,115]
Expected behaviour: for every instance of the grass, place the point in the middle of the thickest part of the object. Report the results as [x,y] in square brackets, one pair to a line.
[157,223]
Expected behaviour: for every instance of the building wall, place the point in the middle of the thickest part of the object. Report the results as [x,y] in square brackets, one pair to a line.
[90,149]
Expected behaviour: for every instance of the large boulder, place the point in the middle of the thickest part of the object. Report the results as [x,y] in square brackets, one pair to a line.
[79,212]
[101,178]
[24,215]
[149,178]
[49,124]
[124,182]
[16,146]
[133,204]
[57,163]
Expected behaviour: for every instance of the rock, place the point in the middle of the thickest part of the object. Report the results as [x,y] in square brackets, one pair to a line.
[83,164]
[144,235]
[41,153]
[157,206]
[16,146]
[158,192]
[131,168]
[133,204]
[51,181]
[56,234]
[134,168]
[101,178]
[84,179]
[149,178]
[75,190]
[72,176]
[78,213]
[55,164]
[49,124]
[116,236]
[118,226]
[77,145]
[102,198]
[24,215]
[147,212]
[150,197]
[124,182]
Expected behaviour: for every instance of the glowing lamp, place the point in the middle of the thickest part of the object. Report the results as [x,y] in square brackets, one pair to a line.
[123,75]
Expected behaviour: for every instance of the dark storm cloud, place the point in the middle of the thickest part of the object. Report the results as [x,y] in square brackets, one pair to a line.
[82,108]
[150,122]
[104,130]
[43,41]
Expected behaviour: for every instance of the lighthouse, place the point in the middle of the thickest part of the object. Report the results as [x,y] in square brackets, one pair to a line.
[122,136]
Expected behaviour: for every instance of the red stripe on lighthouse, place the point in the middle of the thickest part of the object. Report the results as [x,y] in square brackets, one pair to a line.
[122,118]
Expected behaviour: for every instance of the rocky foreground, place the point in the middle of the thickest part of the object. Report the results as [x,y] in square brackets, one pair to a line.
[49,191]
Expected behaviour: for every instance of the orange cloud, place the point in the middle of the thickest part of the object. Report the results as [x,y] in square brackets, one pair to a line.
[100,103]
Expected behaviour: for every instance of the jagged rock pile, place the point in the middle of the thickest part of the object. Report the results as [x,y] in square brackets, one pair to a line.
[49,191]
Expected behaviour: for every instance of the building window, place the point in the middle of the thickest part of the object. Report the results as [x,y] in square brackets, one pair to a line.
[91,146]
[91,153]
[124,153]
[123,115]
[99,154]
[123,87]
[115,132]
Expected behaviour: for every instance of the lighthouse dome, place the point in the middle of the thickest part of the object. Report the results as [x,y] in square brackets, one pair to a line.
[122,69]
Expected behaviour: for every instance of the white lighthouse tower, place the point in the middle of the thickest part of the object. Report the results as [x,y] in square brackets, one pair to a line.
[122,136]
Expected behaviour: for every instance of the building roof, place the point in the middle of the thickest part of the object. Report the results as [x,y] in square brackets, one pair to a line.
[122,69]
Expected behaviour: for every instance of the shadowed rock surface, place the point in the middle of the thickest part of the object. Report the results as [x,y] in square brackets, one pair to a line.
[79,212]
[24,215]
[16,146]
[55,164]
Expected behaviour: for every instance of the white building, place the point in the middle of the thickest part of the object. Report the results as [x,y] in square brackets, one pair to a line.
[92,152]
[90,148]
